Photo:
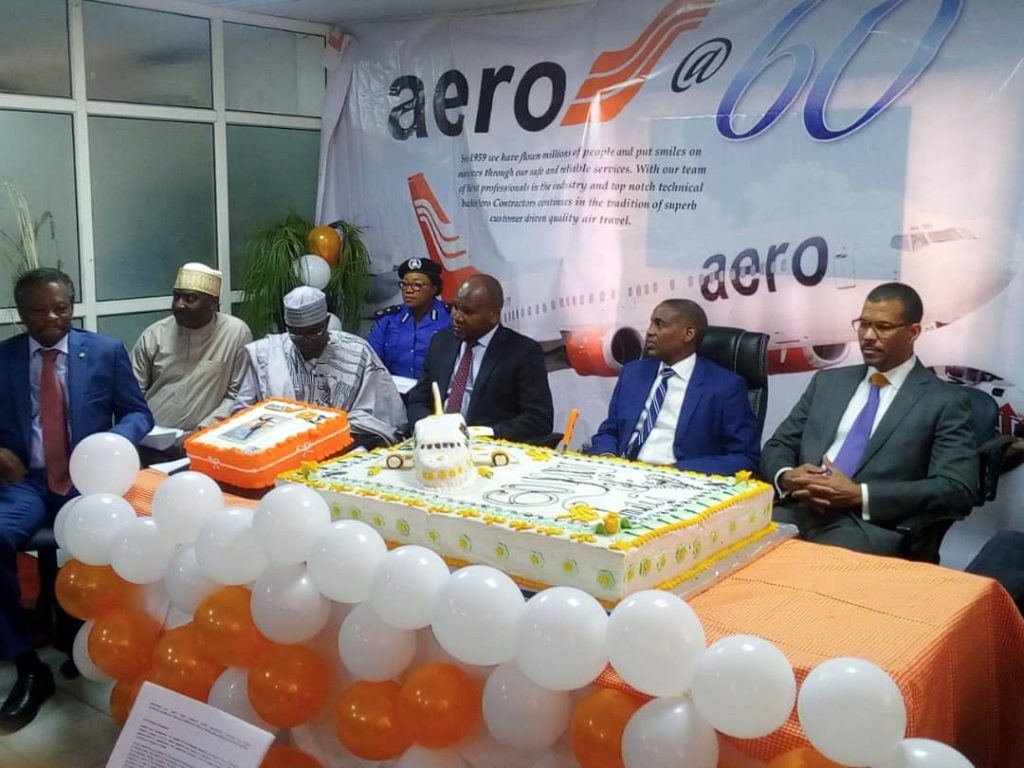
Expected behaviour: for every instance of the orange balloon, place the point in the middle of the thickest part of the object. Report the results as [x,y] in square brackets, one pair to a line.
[121,642]
[280,756]
[439,705]
[802,757]
[88,591]
[367,723]
[289,685]
[325,242]
[122,698]
[595,731]
[180,664]
[226,629]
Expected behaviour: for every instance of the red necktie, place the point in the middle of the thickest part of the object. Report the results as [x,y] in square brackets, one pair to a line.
[55,427]
[458,391]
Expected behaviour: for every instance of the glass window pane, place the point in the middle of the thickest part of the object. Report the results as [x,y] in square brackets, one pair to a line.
[153,203]
[128,328]
[34,47]
[272,70]
[37,163]
[146,56]
[271,171]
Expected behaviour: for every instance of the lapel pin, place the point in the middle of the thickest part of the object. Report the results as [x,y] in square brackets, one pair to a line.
[81,355]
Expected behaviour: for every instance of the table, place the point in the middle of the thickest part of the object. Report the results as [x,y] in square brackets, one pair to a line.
[953,642]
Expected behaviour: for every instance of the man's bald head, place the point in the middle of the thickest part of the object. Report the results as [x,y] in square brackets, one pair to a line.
[477,307]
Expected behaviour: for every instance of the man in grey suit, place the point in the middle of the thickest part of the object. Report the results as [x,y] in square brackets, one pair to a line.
[870,445]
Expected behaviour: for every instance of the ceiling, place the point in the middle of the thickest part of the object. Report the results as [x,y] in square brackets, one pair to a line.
[343,12]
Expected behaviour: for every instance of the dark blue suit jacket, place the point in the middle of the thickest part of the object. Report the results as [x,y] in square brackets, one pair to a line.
[103,395]
[716,432]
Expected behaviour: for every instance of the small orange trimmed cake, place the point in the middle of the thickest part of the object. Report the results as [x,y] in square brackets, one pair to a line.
[605,525]
[251,448]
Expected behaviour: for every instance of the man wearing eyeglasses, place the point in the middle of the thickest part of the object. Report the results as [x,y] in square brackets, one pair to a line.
[868,446]
[315,365]
[402,333]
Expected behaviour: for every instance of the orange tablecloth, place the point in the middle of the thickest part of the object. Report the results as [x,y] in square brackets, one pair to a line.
[954,643]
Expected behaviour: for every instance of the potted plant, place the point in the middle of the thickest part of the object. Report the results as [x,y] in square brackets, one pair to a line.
[273,256]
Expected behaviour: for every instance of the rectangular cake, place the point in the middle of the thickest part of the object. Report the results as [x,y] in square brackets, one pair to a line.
[252,447]
[605,525]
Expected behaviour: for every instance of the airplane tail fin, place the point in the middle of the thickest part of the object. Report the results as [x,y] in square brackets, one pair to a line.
[443,242]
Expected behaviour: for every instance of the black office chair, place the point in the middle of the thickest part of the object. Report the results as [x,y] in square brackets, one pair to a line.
[58,626]
[923,534]
[744,352]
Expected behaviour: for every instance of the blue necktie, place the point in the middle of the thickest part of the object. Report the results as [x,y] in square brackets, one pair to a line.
[852,450]
[641,434]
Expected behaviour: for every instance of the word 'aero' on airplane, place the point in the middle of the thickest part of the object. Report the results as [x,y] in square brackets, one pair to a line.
[800,294]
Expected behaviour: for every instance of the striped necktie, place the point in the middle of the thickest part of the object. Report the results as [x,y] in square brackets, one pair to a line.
[644,430]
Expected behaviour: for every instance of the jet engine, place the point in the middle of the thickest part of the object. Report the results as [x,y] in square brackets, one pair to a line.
[602,350]
[809,358]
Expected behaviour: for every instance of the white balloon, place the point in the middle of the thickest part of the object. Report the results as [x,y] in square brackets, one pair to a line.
[140,551]
[429,651]
[475,614]
[186,583]
[333,322]
[313,270]
[405,584]
[230,694]
[421,757]
[227,550]
[92,524]
[560,639]
[654,639]
[521,714]
[852,712]
[343,559]
[185,501]
[925,753]
[156,602]
[481,750]
[744,686]
[371,649]
[105,462]
[287,522]
[668,733]
[176,618]
[60,520]
[286,605]
[80,655]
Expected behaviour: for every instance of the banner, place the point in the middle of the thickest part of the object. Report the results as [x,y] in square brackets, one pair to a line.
[773,160]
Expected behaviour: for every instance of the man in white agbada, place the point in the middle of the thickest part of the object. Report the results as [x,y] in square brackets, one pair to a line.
[190,365]
[315,365]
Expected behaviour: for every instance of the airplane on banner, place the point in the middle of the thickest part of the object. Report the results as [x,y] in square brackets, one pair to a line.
[803,297]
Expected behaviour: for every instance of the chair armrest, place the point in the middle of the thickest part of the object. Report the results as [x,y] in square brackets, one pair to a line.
[990,465]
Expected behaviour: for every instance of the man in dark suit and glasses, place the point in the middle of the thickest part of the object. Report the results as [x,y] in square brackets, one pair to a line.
[490,374]
[868,446]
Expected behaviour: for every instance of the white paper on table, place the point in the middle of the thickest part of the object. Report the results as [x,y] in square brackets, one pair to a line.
[403,383]
[161,438]
[170,467]
[166,728]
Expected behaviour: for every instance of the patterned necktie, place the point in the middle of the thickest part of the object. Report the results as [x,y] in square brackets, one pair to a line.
[852,450]
[458,391]
[644,431]
[55,427]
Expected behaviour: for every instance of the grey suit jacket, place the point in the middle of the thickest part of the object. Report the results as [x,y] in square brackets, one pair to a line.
[921,458]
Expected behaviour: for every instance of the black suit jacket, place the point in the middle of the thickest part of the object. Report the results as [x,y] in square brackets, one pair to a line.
[511,393]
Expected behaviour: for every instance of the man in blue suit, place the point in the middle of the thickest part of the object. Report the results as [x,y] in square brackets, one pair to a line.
[58,385]
[675,407]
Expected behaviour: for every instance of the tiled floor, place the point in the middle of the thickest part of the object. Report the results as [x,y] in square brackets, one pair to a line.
[73,729]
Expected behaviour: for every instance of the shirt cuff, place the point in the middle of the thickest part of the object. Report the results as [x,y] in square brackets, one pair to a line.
[864,513]
[775,481]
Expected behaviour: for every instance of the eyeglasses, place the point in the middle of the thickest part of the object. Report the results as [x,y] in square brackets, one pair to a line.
[412,285]
[308,333]
[880,329]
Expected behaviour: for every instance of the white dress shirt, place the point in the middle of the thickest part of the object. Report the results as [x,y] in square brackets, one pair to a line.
[478,356]
[35,373]
[659,446]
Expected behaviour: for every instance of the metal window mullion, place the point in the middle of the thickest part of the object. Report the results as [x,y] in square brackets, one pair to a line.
[26,103]
[83,171]
[268,120]
[220,163]
[150,112]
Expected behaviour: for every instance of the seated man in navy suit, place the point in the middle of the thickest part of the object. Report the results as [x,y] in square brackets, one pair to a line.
[58,386]
[676,407]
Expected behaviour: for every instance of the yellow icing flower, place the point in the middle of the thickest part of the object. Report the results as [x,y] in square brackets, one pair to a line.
[464,543]
[583,513]
[372,471]
[743,475]
[434,536]
[335,512]
[536,559]
[378,521]
[697,547]
[355,514]
[631,573]
[501,551]
[645,566]
[714,537]
[403,527]
[662,561]
[484,472]
[680,553]
[732,527]
[569,566]
[605,579]
[612,523]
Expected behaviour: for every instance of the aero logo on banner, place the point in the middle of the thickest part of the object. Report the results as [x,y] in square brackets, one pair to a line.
[617,76]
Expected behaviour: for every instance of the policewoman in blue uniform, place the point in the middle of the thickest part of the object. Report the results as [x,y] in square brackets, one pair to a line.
[402,333]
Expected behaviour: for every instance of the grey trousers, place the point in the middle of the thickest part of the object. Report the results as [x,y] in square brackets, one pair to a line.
[840,529]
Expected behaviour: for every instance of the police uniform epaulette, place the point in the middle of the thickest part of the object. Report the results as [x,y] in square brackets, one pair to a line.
[387,311]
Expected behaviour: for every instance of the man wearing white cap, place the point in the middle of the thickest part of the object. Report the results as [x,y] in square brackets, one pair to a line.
[316,365]
[190,365]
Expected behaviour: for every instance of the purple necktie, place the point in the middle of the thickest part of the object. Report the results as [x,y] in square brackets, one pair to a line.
[852,450]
